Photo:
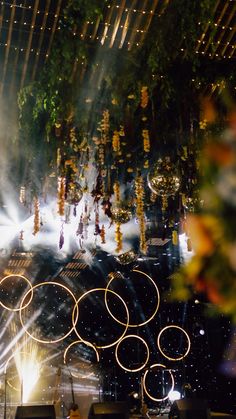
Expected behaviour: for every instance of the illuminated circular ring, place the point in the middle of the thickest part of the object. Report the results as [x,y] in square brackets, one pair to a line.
[74,343]
[155,311]
[21,308]
[144,383]
[147,357]
[31,290]
[75,321]
[159,346]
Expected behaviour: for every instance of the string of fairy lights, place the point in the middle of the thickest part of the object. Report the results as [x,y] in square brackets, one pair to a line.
[212,50]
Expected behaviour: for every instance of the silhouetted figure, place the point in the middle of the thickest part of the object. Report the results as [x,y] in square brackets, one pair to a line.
[74,412]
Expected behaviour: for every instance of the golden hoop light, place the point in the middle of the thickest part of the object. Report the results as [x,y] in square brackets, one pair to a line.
[147,358]
[159,346]
[84,295]
[29,283]
[144,383]
[74,343]
[155,311]
[21,308]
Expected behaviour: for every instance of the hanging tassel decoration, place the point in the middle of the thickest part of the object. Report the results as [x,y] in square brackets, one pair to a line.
[61,190]
[174,237]
[118,238]
[139,192]
[36,217]
[103,234]
[61,240]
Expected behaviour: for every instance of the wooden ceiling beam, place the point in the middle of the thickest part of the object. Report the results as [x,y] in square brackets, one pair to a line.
[41,37]
[210,41]
[107,22]
[117,23]
[136,25]
[56,17]
[27,54]
[201,40]
[149,20]
[126,24]
[8,45]
[17,52]
[222,32]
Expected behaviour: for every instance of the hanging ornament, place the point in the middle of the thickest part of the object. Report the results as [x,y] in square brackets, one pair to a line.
[80,231]
[67,214]
[146,140]
[121,215]
[80,228]
[174,237]
[61,189]
[139,192]
[74,193]
[106,206]
[116,142]
[144,97]
[163,178]
[103,234]
[116,188]
[22,196]
[97,229]
[118,238]
[61,239]
[36,217]
[98,189]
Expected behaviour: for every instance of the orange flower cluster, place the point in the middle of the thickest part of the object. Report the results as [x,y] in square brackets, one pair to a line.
[116,188]
[61,190]
[103,234]
[144,97]
[36,216]
[139,192]
[116,142]
[146,140]
[118,238]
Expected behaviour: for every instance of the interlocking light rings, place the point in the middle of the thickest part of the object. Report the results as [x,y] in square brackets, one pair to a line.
[28,282]
[75,321]
[144,383]
[21,308]
[76,342]
[147,357]
[159,345]
[153,314]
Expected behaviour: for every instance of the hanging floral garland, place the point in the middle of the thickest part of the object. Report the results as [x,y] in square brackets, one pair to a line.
[36,216]
[140,194]
[61,190]
[144,97]
[116,141]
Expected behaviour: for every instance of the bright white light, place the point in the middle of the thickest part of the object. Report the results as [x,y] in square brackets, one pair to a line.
[202,332]
[183,246]
[29,371]
[174,395]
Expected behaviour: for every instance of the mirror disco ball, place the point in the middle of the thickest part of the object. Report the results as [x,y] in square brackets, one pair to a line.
[121,215]
[163,179]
